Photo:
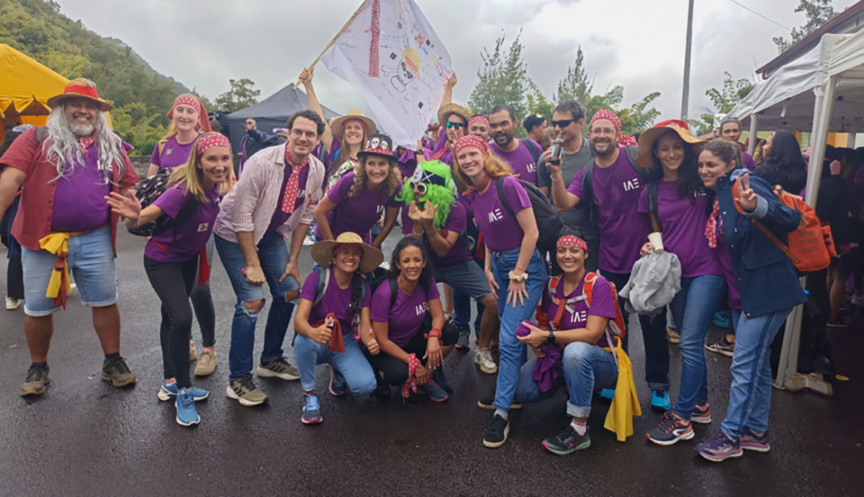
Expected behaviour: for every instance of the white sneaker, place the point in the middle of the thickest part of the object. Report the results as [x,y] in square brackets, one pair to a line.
[12,304]
[483,358]
[308,241]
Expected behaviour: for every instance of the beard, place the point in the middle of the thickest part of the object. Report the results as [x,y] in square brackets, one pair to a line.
[82,129]
[502,139]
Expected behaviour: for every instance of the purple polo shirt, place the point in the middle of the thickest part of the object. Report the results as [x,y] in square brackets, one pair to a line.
[79,200]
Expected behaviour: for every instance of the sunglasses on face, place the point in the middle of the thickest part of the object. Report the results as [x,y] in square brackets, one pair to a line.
[452,125]
[562,123]
[421,188]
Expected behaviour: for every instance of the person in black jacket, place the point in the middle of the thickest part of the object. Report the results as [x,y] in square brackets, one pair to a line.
[784,165]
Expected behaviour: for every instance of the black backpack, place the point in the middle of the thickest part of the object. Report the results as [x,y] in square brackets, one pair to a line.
[548,219]
[147,192]
[529,144]
[588,180]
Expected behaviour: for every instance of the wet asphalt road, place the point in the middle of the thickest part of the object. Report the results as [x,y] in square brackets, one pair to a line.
[85,438]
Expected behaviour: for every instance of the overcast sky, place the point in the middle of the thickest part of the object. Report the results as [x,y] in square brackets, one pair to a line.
[635,43]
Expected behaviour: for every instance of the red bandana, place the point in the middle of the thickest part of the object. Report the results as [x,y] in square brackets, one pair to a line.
[482,119]
[192,101]
[211,140]
[482,186]
[290,198]
[86,141]
[470,141]
[410,384]
[711,226]
[572,241]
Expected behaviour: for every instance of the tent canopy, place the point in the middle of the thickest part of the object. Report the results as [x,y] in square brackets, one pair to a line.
[25,87]
[270,113]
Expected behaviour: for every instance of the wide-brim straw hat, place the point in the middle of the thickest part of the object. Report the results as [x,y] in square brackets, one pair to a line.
[337,124]
[645,157]
[322,252]
[445,111]
[80,88]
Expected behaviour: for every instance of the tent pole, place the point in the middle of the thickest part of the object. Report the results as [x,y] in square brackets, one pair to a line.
[754,125]
[333,41]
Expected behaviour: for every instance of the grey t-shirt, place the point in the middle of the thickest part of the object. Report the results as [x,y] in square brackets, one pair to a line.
[571,165]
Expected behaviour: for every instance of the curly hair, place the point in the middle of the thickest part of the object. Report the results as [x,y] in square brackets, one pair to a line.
[387,189]
[441,197]
[688,183]
[410,241]
[493,166]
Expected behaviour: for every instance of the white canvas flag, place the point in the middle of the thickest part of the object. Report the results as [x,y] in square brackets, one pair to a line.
[390,53]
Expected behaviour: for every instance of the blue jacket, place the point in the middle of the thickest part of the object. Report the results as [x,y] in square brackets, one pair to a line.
[767,279]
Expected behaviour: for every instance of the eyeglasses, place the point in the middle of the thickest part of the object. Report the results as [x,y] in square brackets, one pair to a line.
[421,188]
[451,125]
[562,123]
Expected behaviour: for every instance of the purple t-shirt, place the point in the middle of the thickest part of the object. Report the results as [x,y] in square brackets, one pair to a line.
[457,222]
[683,223]
[726,263]
[501,231]
[335,300]
[747,161]
[359,213]
[520,160]
[280,217]
[79,201]
[602,305]
[622,229]
[173,154]
[406,316]
[191,235]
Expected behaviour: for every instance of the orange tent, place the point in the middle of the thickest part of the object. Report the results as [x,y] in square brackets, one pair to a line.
[25,87]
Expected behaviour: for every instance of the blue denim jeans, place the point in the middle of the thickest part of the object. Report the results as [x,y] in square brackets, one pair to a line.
[653,336]
[585,368]
[273,254]
[351,364]
[750,393]
[513,354]
[693,308]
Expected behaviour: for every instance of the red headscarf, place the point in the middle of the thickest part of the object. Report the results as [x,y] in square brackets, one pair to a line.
[482,119]
[610,116]
[470,141]
[572,241]
[211,140]
[195,103]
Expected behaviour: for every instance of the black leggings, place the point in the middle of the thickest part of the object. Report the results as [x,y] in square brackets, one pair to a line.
[15,278]
[173,283]
[395,371]
[202,303]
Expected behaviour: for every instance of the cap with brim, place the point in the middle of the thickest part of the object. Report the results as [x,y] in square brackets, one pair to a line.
[445,111]
[378,144]
[337,124]
[322,252]
[80,88]
[645,157]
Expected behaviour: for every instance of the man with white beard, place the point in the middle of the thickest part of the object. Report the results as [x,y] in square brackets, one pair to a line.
[67,169]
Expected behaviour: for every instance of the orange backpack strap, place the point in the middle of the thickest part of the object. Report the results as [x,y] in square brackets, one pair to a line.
[562,305]
[736,196]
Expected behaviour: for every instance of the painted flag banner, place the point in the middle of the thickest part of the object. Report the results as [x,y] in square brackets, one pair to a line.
[392,55]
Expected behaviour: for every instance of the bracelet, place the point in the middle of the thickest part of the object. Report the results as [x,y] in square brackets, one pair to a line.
[434,332]
[559,178]
[518,277]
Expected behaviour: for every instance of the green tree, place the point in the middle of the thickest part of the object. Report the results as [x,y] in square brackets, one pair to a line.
[817,12]
[242,94]
[538,104]
[503,79]
[724,99]
[575,85]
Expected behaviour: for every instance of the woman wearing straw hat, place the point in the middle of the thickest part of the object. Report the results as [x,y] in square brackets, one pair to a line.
[332,315]
[676,202]
[355,203]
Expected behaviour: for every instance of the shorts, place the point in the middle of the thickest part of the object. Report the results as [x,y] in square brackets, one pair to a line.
[467,277]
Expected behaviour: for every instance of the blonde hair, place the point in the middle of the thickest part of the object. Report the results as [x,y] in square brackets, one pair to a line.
[172,130]
[388,189]
[494,167]
[192,177]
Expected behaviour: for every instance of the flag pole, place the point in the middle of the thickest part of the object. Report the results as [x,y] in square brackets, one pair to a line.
[333,41]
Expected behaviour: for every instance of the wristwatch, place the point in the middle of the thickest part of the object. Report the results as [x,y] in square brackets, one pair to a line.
[551,337]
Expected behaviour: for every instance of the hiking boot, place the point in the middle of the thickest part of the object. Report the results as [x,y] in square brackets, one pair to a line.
[671,429]
[567,442]
[751,441]
[701,415]
[167,392]
[245,391]
[719,448]
[673,335]
[435,392]
[12,304]
[488,403]
[311,411]
[338,385]
[206,363]
[193,352]
[37,379]
[660,400]
[483,358]
[117,372]
[497,430]
[722,346]
[187,415]
[464,341]
[441,379]
[280,368]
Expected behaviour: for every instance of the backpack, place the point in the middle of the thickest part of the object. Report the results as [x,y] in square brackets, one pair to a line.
[616,326]
[548,219]
[529,144]
[588,180]
[151,189]
[810,245]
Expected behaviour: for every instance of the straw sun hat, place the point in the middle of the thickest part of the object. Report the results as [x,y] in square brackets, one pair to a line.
[645,158]
[337,124]
[322,252]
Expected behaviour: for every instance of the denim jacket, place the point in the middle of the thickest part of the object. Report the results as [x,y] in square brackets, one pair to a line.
[767,280]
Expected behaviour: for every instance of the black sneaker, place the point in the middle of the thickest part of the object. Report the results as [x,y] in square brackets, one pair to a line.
[496,432]
[116,372]
[37,378]
[488,403]
[382,389]
[464,341]
[567,442]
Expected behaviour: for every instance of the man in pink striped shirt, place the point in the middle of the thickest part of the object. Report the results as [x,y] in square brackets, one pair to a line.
[275,197]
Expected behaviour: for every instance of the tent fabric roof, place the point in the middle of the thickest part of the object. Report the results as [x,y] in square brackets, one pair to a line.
[26,85]
[279,105]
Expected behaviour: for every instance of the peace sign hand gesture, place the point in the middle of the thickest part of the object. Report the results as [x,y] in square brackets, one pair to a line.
[748,199]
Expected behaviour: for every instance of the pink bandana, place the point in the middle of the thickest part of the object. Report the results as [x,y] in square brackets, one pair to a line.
[192,101]
[481,119]
[293,186]
[609,116]
[711,226]
[572,241]
[470,141]
[410,384]
[210,140]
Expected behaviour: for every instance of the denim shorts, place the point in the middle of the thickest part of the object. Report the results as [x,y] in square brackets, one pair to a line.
[91,264]
[467,277]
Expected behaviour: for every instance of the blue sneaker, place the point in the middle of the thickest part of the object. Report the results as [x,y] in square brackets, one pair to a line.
[311,411]
[721,319]
[719,448]
[167,392]
[660,400]
[435,392]
[187,415]
[441,379]
[338,385]
[607,394]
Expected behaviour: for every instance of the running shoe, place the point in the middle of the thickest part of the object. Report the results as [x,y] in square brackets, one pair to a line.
[338,385]
[497,430]
[167,392]
[193,352]
[12,304]
[464,341]
[311,411]
[567,442]
[37,379]
[671,429]
[441,379]
[187,415]
[116,372]
[488,403]
[280,368]
[751,441]
[483,358]
[434,391]
[721,319]
[382,389]
[701,415]
[245,391]
[722,346]
[660,400]
[206,363]
[719,448]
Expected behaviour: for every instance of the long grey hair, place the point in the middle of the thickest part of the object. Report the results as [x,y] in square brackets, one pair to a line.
[63,151]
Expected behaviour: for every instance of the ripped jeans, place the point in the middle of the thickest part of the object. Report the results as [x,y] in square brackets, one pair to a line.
[273,254]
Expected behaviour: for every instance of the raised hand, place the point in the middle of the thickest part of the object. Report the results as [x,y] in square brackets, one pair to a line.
[748,199]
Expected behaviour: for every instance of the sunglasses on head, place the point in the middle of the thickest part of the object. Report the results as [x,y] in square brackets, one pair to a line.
[562,123]
[452,125]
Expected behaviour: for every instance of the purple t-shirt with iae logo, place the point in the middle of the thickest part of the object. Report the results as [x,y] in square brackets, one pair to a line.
[501,231]
[406,315]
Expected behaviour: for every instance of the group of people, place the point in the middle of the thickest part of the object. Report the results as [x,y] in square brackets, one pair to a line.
[467,198]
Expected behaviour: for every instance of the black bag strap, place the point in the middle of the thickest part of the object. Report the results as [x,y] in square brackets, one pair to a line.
[535,154]
[652,192]
[186,212]
[499,185]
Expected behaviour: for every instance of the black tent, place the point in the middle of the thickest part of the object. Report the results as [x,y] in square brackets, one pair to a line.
[270,113]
